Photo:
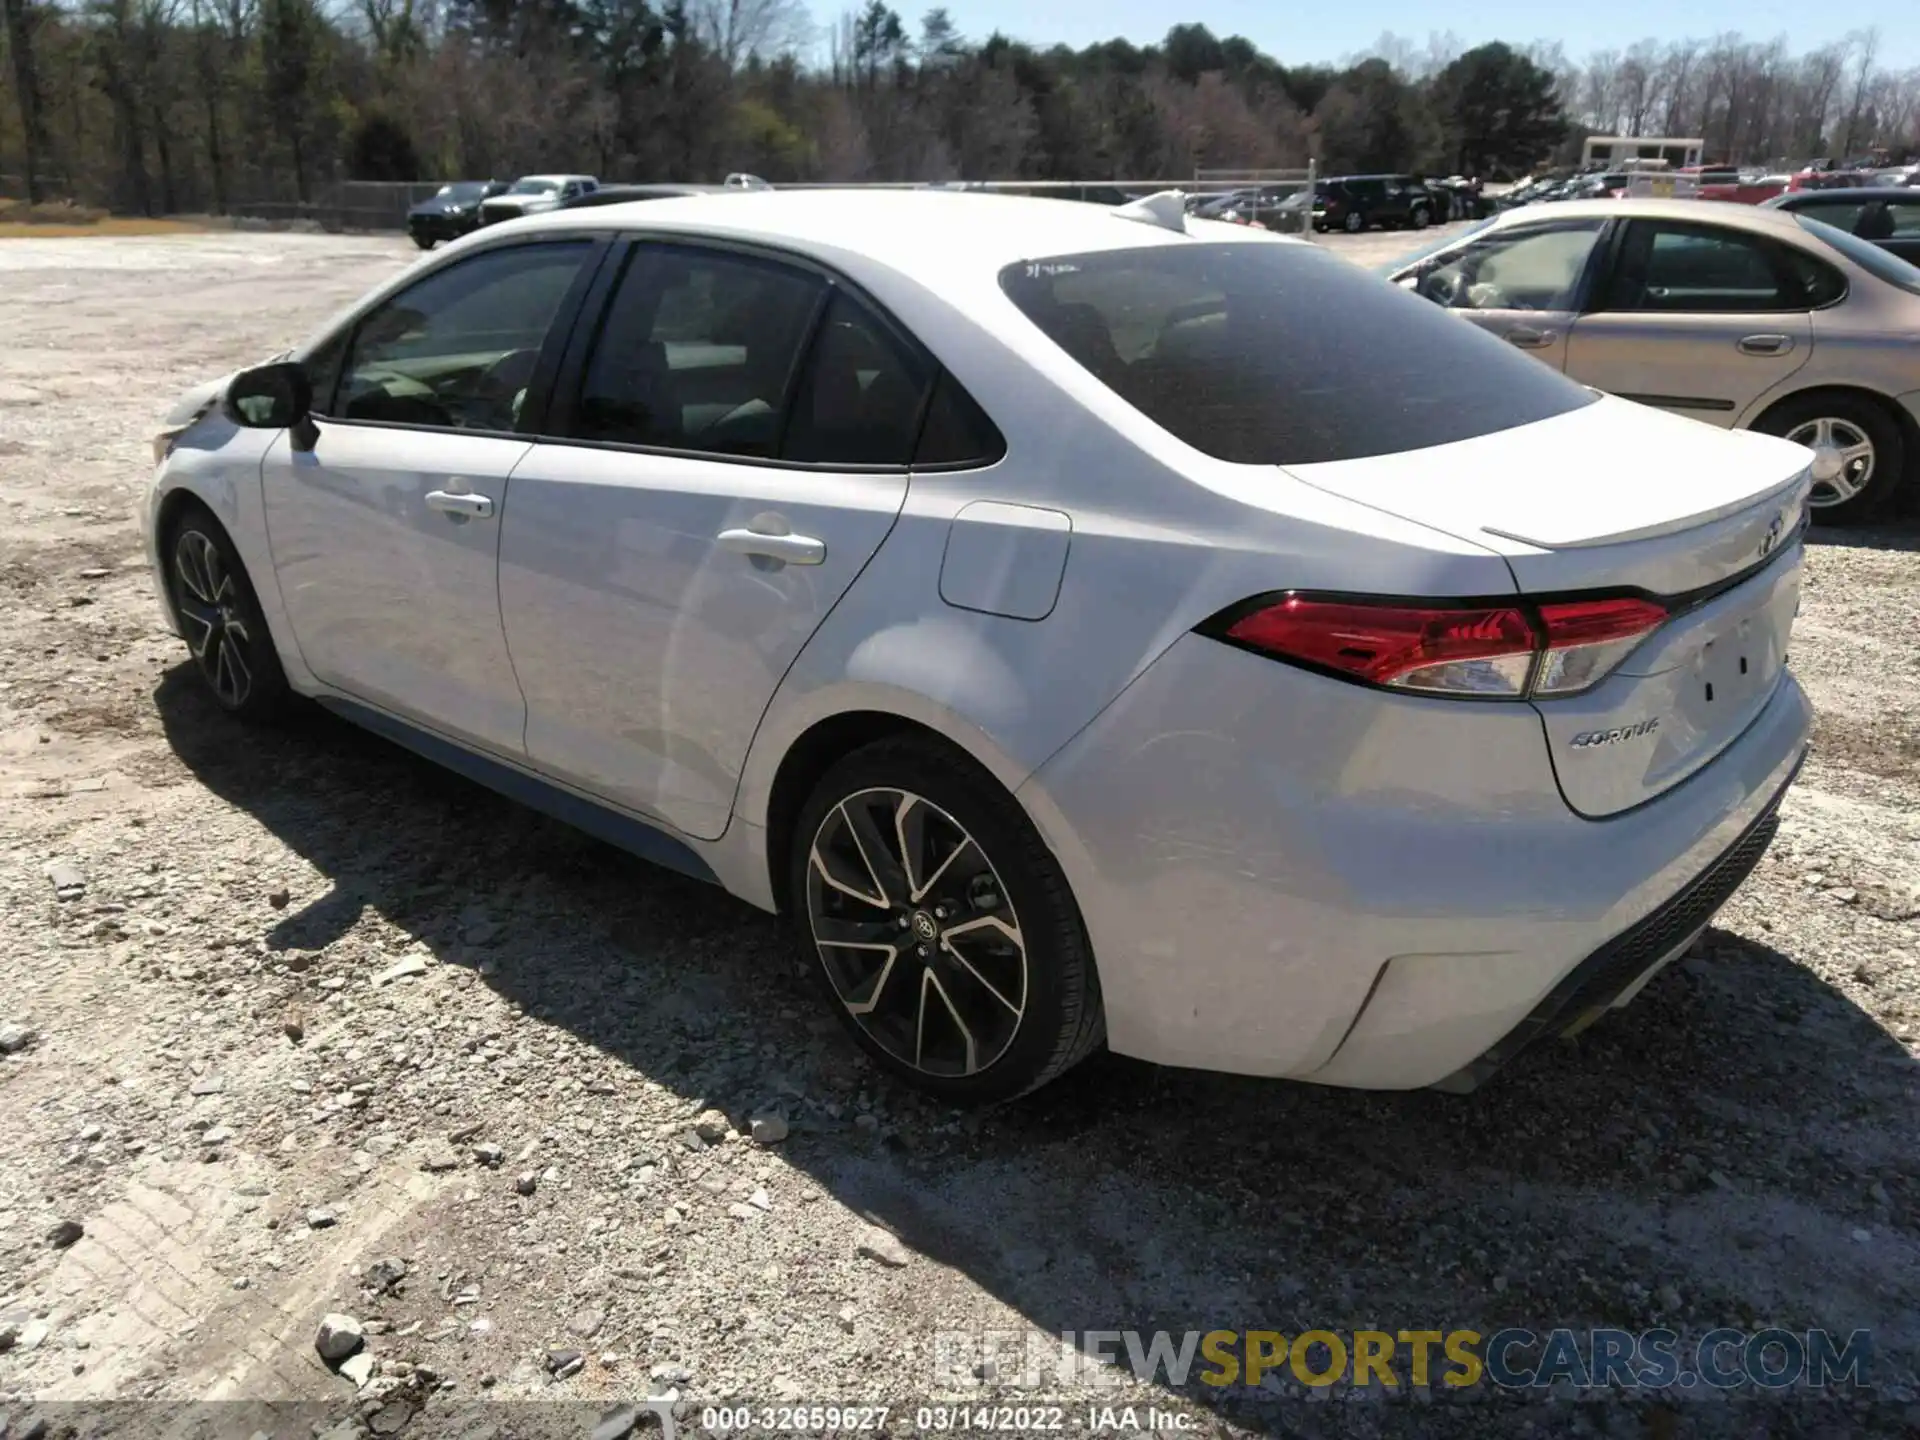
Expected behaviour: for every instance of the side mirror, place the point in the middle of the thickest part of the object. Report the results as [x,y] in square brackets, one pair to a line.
[273,397]
[269,397]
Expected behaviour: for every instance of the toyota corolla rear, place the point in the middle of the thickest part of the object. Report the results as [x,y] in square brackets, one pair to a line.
[1378,820]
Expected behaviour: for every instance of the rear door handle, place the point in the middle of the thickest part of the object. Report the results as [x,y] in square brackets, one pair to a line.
[1765,344]
[789,549]
[1528,338]
[449,503]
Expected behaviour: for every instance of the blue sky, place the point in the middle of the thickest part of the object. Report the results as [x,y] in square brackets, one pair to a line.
[1297,34]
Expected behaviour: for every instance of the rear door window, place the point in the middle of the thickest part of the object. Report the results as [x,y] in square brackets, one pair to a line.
[697,351]
[1668,267]
[1279,353]
[863,394]
[956,432]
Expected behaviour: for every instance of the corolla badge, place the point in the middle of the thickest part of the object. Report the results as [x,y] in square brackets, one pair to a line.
[1586,739]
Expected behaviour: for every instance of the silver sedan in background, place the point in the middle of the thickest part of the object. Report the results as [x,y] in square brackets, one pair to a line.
[1743,317]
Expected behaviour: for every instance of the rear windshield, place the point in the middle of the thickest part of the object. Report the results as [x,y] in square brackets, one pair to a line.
[1881,264]
[1281,354]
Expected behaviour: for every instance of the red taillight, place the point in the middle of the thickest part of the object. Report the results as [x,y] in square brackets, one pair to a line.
[1496,651]
[1585,639]
[1472,652]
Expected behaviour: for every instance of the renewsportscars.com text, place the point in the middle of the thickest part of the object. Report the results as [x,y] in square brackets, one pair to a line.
[1722,1359]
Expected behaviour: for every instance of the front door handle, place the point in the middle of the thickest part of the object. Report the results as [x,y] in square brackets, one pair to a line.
[1765,344]
[1527,338]
[450,503]
[787,548]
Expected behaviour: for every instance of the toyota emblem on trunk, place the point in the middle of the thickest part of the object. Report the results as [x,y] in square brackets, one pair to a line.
[1772,537]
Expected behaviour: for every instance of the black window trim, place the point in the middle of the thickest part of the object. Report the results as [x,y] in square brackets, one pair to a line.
[626,245]
[545,370]
[1775,249]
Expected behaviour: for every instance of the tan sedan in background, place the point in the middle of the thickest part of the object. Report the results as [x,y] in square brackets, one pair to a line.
[1741,317]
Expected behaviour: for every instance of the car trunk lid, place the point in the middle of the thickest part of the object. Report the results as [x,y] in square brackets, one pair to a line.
[1616,497]
[1611,494]
[1687,693]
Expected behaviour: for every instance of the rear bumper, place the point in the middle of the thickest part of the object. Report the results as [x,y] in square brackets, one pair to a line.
[1286,875]
[1616,970]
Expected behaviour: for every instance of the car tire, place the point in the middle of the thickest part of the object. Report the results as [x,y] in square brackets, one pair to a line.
[1355,222]
[1862,432]
[425,242]
[1421,217]
[975,1020]
[221,620]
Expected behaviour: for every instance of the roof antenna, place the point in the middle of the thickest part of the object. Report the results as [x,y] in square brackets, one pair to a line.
[1165,208]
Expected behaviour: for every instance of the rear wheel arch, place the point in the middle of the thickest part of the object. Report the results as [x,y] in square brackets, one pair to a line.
[1895,414]
[1893,409]
[910,770]
[814,752]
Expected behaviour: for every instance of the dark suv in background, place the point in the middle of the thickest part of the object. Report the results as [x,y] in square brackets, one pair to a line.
[1359,202]
[451,212]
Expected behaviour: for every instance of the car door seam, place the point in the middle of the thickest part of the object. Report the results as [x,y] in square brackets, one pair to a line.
[773,695]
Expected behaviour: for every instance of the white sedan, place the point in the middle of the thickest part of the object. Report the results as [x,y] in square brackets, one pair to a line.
[1088,625]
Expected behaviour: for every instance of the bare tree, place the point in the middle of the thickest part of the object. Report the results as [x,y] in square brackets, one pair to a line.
[27,94]
[737,29]
[1600,94]
[1676,85]
[1866,45]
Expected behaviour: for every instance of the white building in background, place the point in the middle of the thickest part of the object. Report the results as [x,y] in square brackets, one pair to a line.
[1613,151]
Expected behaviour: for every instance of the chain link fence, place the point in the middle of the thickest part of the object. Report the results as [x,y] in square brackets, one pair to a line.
[343,206]
[1278,199]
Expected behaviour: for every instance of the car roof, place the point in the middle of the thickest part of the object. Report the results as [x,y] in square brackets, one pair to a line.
[927,235]
[556,178]
[1706,212]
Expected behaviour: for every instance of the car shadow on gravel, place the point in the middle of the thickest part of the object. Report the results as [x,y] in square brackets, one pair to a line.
[1900,534]
[1736,1149]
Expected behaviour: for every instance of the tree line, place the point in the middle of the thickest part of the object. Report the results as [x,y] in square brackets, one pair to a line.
[167,106]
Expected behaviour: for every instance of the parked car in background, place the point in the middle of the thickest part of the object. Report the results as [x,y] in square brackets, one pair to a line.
[1739,187]
[1598,185]
[1527,192]
[1280,207]
[531,194]
[1889,216]
[1360,202]
[1828,179]
[627,194]
[1460,198]
[1746,317]
[452,211]
[1900,176]
[1130,630]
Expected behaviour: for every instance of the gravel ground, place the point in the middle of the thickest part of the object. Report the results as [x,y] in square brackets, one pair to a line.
[307,1027]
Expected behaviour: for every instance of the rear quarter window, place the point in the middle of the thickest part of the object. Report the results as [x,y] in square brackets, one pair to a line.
[1881,264]
[1281,354]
